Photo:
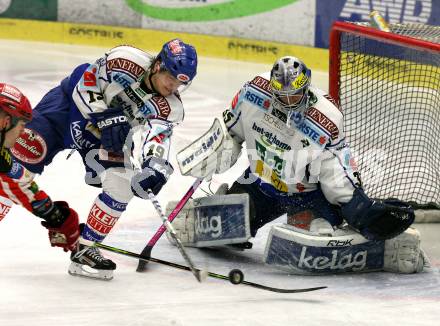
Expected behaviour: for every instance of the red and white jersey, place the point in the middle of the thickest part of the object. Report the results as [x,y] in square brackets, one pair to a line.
[293,153]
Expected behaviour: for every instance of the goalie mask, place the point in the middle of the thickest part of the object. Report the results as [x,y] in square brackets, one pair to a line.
[290,81]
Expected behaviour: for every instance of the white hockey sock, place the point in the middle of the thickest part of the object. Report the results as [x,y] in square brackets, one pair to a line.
[102,217]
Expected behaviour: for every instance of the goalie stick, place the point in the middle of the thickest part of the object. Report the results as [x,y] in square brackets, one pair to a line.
[170,229]
[213,275]
[146,252]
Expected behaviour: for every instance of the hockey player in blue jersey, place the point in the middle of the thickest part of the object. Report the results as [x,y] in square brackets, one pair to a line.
[118,113]
[300,164]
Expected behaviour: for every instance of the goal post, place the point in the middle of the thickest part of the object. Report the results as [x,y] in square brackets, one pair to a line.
[387,84]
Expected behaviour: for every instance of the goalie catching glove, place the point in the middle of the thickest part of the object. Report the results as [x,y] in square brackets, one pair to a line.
[375,219]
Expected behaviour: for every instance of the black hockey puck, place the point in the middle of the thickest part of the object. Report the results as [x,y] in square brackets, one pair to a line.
[236,276]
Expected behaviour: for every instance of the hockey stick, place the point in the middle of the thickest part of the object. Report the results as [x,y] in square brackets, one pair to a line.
[146,252]
[214,275]
[173,235]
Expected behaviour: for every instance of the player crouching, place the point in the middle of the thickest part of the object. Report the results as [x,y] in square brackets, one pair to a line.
[17,184]
[299,164]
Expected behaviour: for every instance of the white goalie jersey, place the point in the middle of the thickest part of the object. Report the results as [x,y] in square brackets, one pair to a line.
[293,153]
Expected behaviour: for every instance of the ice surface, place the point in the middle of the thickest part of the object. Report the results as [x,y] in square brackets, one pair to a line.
[35,288]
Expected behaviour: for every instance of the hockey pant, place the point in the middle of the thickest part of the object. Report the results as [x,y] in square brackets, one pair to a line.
[264,208]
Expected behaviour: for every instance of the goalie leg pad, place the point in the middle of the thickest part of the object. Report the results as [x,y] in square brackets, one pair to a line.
[403,253]
[213,221]
[310,253]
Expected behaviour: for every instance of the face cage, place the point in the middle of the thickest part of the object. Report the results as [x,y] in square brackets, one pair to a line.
[291,107]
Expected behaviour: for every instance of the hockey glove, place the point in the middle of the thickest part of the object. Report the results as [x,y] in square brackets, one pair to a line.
[377,219]
[155,173]
[61,221]
[114,128]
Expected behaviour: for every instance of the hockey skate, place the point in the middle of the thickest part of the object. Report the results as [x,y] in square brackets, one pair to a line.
[88,262]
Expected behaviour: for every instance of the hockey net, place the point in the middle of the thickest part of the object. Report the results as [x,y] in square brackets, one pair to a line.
[387,84]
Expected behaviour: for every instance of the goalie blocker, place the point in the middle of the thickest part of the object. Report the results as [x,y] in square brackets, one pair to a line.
[214,152]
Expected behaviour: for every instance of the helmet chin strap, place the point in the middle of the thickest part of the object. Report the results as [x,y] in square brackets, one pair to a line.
[3,136]
[149,89]
[151,83]
[13,122]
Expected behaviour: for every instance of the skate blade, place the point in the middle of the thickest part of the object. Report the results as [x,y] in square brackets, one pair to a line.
[81,270]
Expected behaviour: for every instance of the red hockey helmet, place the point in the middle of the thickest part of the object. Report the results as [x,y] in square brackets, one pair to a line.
[15,103]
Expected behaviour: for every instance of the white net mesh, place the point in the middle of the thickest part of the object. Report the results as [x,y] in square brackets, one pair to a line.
[390,96]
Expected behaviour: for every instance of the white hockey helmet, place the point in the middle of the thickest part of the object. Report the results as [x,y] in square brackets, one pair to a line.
[290,80]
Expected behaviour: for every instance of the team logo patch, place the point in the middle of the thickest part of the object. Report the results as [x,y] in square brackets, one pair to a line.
[125,66]
[17,171]
[90,78]
[175,47]
[308,129]
[183,78]
[162,106]
[322,121]
[262,84]
[30,147]
[159,138]
[256,99]
[11,92]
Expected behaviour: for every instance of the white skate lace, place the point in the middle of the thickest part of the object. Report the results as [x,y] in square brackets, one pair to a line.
[93,253]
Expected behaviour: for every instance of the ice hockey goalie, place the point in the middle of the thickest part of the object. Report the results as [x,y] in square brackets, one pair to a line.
[300,165]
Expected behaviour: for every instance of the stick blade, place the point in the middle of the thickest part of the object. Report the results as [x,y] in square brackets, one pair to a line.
[142,264]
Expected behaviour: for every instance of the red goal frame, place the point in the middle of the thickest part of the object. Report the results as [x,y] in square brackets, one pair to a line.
[369,32]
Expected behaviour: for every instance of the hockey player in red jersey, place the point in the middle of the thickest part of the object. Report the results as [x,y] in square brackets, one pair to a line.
[118,113]
[300,164]
[16,185]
